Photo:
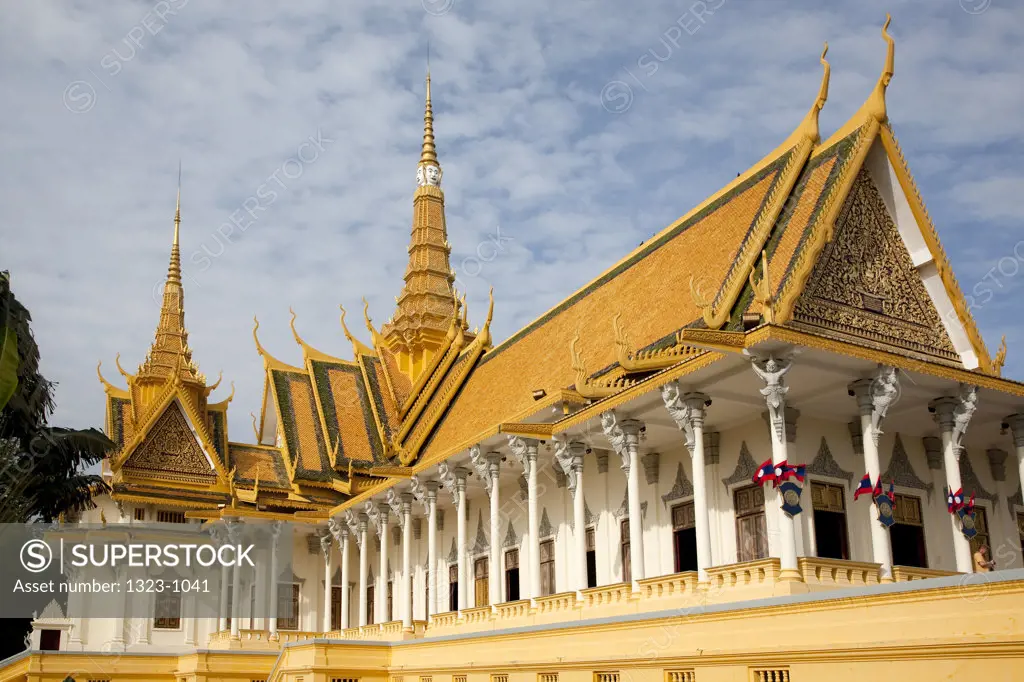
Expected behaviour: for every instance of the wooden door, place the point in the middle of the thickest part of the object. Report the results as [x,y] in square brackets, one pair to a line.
[480,582]
[751,527]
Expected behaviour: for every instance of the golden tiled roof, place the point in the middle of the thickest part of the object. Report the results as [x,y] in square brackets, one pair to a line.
[252,462]
[651,288]
[305,446]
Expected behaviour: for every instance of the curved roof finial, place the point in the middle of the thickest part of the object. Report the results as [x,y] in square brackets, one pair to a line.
[876,103]
[220,376]
[106,384]
[295,334]
[117,361]
[366,316]
[259,347]
[809,127]
[255,429]
[344,327]
[232,396]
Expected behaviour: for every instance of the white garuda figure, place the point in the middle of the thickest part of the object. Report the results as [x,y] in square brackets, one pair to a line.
[963,413]
[679,411]
[885,390]
[518,447]
[771,372]
[616,436]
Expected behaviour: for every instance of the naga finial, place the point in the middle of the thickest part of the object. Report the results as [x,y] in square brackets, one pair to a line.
[106,384]
[220,376]
[366,316]
[255,428]
[699,299]
[1000,358]
[117,361]
[763,289]
[876,103]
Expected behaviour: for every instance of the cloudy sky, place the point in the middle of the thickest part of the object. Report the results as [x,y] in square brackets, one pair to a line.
[569,132]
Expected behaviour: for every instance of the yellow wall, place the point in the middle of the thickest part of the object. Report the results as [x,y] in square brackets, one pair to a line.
[958,631]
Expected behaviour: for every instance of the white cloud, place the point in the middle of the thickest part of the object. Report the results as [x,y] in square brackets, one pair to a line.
[233,88]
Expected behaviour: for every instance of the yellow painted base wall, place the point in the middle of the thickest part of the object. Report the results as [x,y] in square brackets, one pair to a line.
[958,631]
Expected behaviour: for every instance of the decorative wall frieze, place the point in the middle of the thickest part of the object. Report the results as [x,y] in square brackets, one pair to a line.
[971,484]
[901,471]
[480,544]
[681,487]
[623,510]
[511,539]
[602,461]
[745,468]
[825,465]
[545,530]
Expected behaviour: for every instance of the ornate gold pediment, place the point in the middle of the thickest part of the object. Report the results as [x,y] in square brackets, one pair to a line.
[170,451]
[864,284]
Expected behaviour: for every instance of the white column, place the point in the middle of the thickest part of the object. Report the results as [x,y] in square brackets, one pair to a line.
[772,370]
[460,512]
[325,549]
[688,413]
[494,561]
[1016,424]
[225,584]
[234,534]
[525,452]
[341,534]
[383,511]
[275,537]
[432,549]
[406,561]
[575,484]
[364,568]
[625,439]
[953,414]
[874,397]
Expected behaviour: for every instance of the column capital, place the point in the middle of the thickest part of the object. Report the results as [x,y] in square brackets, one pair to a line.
[406,503]
[569,456]
[325,543]
[953,414]
[525,451]
[875,395]
[687,411]
[1015,422]
[338,530]
[446,474]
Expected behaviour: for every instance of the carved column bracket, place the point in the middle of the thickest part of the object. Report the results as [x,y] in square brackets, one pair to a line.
[791,416]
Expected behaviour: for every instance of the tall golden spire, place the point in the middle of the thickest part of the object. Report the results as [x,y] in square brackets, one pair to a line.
[429,153]
[170,355]
[426,305]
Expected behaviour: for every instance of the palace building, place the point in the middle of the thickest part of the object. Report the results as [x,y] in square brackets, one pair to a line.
[578,502]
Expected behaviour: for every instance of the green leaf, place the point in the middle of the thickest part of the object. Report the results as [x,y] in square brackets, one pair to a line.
[8,365]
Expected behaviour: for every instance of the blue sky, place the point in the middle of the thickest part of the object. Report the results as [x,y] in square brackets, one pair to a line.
[569,132]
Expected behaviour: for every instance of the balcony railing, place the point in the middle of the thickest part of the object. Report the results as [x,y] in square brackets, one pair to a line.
[734,582]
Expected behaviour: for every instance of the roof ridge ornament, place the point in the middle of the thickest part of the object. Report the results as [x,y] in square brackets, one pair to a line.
[875,105]
[809,127]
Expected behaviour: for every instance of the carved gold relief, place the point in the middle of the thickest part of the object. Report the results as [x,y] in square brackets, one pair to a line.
[171,450]
[864,284]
